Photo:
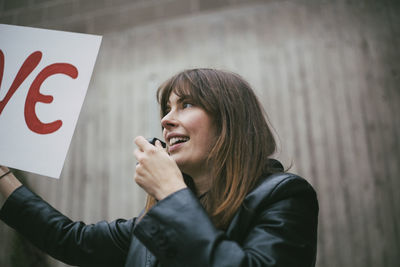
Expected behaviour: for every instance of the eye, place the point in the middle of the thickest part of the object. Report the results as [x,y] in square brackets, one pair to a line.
[187,105]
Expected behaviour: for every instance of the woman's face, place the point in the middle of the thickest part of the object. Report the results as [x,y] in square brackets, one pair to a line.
[189,133]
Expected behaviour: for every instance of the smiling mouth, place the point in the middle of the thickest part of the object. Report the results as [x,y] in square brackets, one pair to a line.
[177,140]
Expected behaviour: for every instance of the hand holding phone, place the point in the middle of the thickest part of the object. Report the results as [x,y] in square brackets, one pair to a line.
[153,142]
[156,172]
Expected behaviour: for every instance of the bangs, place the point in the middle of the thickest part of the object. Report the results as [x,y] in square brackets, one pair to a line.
[184,87]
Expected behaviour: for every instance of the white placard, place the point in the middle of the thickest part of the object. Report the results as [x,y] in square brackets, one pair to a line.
[44,76]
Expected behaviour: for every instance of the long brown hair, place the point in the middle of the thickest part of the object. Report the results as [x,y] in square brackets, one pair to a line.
[244,142]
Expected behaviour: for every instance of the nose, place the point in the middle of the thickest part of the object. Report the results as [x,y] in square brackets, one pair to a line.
[169,120]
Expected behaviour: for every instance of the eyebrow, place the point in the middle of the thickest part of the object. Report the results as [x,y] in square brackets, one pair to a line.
[180,99]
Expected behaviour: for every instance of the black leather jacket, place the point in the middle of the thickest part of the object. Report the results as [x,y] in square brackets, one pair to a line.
[275,226]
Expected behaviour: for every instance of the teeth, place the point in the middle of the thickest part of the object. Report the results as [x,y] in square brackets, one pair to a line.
[175,140]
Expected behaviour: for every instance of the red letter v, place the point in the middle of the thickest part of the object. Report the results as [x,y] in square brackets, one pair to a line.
[27,67]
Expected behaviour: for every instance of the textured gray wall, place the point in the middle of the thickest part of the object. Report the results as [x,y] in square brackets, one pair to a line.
[327,73]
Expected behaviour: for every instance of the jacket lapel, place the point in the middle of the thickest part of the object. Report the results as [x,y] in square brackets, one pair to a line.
[241,222]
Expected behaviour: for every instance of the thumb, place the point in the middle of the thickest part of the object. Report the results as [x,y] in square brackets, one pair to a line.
[158,144]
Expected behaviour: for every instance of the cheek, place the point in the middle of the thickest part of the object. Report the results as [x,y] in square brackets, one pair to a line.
[200,127]
[205,134]
[193,121]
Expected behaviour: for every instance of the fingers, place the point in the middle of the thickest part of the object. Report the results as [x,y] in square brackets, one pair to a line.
[137,154]
[142,143]
[140,178]
[159,145]
[145,148]
[140,171]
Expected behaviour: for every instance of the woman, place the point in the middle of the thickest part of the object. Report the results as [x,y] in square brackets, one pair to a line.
[215,198]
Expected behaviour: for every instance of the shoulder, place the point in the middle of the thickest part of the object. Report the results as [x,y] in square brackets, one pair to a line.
[282,202]
[279,186]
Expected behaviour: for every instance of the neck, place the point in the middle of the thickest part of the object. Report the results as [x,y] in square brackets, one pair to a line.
[201,177]
[202,182]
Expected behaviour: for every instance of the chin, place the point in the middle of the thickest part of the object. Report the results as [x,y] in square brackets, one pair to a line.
[182,165]
[178,160]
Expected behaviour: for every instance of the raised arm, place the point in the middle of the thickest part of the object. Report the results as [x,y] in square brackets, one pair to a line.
[75,243]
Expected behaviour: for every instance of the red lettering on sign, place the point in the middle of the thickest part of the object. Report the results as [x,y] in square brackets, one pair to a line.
[27,67]
[34,96]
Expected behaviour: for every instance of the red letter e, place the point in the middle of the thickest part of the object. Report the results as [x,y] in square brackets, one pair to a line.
[35,96]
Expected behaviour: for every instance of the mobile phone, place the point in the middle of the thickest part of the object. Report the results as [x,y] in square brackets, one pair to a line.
[153,141]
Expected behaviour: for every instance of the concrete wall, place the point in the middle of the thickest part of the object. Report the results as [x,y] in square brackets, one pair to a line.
[327,73]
